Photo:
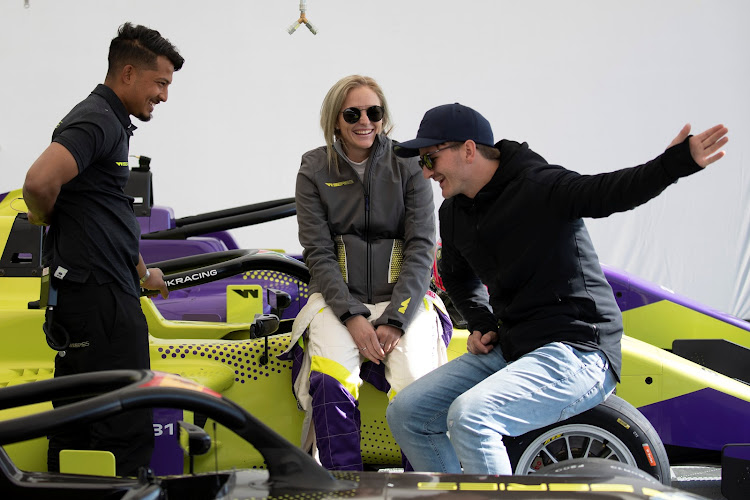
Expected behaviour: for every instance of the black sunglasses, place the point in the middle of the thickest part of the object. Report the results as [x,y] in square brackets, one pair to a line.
[374,113]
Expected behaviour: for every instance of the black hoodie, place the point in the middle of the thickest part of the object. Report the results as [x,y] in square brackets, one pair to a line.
[523,237]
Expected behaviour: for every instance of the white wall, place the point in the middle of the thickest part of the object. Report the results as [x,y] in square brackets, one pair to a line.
[594,85]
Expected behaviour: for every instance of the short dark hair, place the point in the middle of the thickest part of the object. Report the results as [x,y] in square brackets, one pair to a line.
[140,46]
[488,152]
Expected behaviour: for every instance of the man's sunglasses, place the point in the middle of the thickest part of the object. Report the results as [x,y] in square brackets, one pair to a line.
[426,160]
[374,113]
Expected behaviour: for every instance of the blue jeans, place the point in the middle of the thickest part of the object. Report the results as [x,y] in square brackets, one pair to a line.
[457,414]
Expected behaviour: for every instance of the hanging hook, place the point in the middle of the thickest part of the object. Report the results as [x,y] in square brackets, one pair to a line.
[302,20]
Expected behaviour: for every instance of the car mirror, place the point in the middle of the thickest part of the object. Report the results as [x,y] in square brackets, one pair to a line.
[194,440]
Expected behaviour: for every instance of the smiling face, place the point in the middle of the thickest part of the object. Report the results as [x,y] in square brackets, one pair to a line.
[447,168]
[148,87]
[358,137]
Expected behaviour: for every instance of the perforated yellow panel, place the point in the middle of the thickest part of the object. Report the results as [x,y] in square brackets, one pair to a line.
[397,258]
[341,256]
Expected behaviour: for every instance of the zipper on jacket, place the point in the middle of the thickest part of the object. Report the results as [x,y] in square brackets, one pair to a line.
[366,186]
[368,278]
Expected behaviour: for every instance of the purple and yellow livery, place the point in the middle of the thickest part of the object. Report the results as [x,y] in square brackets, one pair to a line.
[202,333]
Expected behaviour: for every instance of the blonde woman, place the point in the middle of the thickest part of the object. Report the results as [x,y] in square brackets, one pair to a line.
[366,225]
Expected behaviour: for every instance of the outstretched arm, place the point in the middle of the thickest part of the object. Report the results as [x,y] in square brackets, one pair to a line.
[601,195]
[704,146]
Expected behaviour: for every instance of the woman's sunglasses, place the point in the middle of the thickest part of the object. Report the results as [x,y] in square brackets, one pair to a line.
[374,113]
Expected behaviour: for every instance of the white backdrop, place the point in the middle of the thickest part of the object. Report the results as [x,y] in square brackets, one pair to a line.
[594,85]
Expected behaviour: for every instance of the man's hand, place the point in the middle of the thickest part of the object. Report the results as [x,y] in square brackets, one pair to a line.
[388,337]
[363,334]
[155,281]
[704,146]
[481,344]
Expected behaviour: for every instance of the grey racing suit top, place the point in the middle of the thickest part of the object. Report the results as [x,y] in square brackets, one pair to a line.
[366,240]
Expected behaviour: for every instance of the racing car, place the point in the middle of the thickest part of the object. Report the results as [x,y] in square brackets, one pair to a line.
[238,360]
[653,378]
[289,473]
[676,397]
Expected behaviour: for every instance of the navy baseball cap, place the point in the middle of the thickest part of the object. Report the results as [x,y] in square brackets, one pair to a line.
[447,123]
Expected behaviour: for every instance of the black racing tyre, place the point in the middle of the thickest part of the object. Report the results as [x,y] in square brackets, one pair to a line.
[613,430]
[598,467]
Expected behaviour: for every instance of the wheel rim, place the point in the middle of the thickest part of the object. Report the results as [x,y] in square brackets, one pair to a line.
[572,441]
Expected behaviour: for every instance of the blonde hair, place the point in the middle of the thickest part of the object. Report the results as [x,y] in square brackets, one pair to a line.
[331,107]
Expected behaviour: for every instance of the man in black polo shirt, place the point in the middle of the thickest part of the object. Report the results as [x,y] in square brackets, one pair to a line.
[76,187]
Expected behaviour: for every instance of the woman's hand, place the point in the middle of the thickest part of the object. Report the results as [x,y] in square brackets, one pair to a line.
[363,334]
[388,337]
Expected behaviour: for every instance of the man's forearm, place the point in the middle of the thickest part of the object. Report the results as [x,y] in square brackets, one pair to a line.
[45,178]
[41,203]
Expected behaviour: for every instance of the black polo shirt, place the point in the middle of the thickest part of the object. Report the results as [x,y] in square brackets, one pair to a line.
[94,234]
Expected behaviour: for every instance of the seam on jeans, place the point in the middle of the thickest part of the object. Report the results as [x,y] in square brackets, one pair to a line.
[602,359]
[437,415]
[570,374]
[559,381]
[584,367]
[437,453]
[598,387]
[429,435]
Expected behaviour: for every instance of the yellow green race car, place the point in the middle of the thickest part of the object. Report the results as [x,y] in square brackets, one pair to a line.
[687,405]
[289,472]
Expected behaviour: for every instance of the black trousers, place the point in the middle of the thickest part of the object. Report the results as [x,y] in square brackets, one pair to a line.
[107,332]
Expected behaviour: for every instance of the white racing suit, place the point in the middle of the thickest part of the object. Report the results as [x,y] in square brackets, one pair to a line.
[368,242]
[328,371]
